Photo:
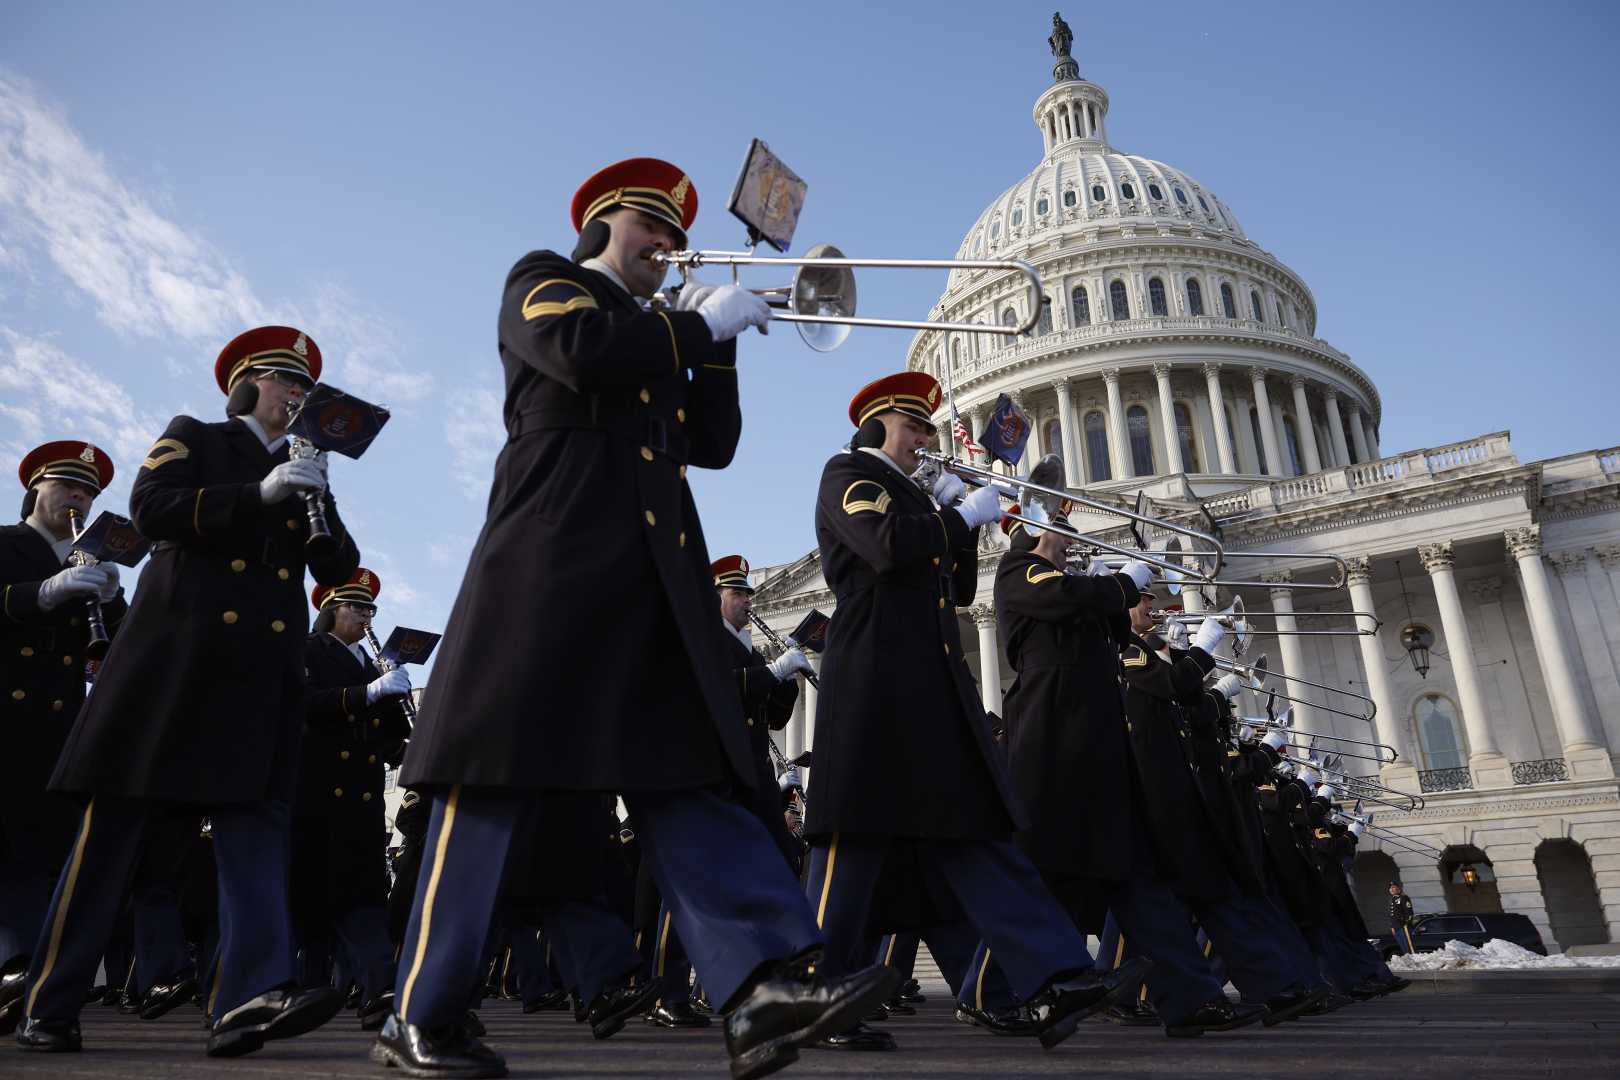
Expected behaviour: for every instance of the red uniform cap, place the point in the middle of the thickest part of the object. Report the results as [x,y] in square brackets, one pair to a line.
[1008,524]
[269,348]
[731,572]
[651,186]
[915,393]
[80,462]
[362,588]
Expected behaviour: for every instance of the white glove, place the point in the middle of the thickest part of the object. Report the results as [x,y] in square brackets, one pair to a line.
[949,489]
[981,507]
[692,295]
[1139,572]
[288,477]
[1210,633]
[784,667]
[74,581]
[731,309]
[109,591]
[1098,568]
[392,684]
[1228,686]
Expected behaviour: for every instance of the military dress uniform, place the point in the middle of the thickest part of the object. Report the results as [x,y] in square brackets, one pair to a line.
[1400,922]
[199,702]
[42,686]
[339,864]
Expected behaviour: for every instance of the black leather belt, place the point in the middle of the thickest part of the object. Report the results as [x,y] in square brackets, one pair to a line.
[649,431]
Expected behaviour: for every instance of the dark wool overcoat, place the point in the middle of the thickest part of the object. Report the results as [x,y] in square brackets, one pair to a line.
[767,707]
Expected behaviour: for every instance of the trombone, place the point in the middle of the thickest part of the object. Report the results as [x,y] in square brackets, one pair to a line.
[822,293]
[1283,726]
[1254,677]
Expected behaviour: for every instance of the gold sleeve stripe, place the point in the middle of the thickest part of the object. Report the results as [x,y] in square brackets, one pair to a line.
[722,367]
[532,312]
[196,513]
[5,602]
[534,308]
[673,348]
[1135,657]
[944,529]
[1035,576]
[878,505]
[164,451]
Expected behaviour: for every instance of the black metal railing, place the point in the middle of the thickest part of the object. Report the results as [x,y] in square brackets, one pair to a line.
[1458,779]
[1545,771]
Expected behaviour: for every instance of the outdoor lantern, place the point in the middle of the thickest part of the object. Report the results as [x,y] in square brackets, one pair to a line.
[1470,876]
[1417,640]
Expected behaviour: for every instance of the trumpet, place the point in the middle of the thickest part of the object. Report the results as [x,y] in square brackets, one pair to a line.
[386,665]
[781,645]
[320,543]
[99,641]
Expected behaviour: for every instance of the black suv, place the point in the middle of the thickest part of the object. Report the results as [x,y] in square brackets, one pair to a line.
[1431,932]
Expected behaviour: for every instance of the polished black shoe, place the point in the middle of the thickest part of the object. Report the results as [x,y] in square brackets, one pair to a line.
[373,1011]
[1393,985]
[1331,1003]
[793,1007]
[679,1015]
[1013,1021]
[450,1052]
[129,1004]
[1365,990]
[1218,1015]
[911,993]
[1292,1003]
[277,1014]
[96,994]
[580,1011]
[12,986]
[556,1001]
[859,1037]
[1058,1009]
[167,995]
[50,1036]
[1132,1013]
[352,1000]
[896,1006]
[613,1007]
[700,1005]
[472,1025]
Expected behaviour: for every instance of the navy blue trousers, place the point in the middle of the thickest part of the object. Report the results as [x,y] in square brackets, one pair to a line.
[1146,918]
[994,882]
[531,964]
[25,897]
[734,901]
[664,958]
[255,951]
[1271,940]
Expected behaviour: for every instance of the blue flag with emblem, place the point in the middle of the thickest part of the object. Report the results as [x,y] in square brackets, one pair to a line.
[1007,432]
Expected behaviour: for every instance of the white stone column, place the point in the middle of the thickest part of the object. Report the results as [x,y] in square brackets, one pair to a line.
[1217,407]
[1293,653]
[1602,679]
[1305,426]
[1070,431]
[984,617]
[1371,436]
[1268,427]
[1582,744]
[1489,766]
[1248,452]
[1341,452]
[1389,724]
[1167,416]
[1358,435]
[1116,427]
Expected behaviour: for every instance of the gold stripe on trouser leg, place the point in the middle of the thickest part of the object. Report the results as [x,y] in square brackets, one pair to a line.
[57,924]
[213,991]
[826,882]
[637,947]
[663,947]
[1119,952]
[978,984]
[427,900]
[1407,930]
[1209,946]
[888,954]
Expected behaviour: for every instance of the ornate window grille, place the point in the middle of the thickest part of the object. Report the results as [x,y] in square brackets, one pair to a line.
[1156,303]
[1119,301]
[1195,297]
[1097,447]
[1081,302]
[1459,779]
[1544,771]
[1228,302]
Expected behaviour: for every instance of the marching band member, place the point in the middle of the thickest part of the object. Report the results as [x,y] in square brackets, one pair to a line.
[607,404]
[199,702]
[43,636]
[903,752]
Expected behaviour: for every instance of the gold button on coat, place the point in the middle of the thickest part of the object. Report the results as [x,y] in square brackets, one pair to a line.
[646,398]
[683,539]
[646,454]
[239,565]
[371,759]
[680,414]
[376,722]
[282,573]
[277,625]
[750,721]
[28,650]
[67,661]
[343,755]
[652,519]
[56,706]
[942,601]
[365,797]
[18,695]
[230,618]
[338,792]
[683,472]
[292,523]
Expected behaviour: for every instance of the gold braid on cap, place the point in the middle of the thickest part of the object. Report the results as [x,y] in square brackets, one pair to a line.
[911,404]
[271,359]
[75,469]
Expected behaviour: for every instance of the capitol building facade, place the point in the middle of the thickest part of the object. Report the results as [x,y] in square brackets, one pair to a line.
[1176,357]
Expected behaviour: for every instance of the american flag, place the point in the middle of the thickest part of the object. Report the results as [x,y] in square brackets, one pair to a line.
[960,430]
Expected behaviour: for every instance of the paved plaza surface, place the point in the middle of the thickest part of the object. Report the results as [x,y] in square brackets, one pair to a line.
[1428,1031]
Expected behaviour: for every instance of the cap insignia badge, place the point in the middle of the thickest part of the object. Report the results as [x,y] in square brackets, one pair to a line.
[365,578]
[742,564]
[678,192]
[301,345]
[933,397]
[89,455]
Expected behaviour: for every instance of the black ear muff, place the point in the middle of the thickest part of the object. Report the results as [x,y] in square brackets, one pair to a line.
[593,240]
[244,398]
[29,500]
[324,621]
[871,433]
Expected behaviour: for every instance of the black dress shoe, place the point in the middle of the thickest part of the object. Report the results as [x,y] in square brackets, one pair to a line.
[448,1051]
[580,1011]
[1219,1015]
[12,986]
[1394,984]
[1328,1004]
[911,993]
[859,1037]
[472,1025]
[1058,1009]
[679,1015]
[352,999]
[50,1036]
[613,1007]
[556,1001]
[276,1014]
[1365,990]
[700,1005]
[1013,1021]
[793,1006]
[1132,1013]
[1292,1003]
[96,994]
[373,1011]
[169,994]
[897,1006]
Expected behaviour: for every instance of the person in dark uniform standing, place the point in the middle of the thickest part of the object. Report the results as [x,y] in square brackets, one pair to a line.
[43,635]
[355,727]
[1400,919]
[903,757]
[591,523]
[200,702]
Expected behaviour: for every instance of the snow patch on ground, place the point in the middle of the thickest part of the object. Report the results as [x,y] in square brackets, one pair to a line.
[1495,955]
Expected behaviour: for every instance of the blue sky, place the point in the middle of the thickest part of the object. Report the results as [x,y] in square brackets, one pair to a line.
[172,174]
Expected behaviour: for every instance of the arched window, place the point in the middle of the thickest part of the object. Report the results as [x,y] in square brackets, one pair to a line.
[1259,439]
[1043,206]
[1156,304]
[1156,191]
[1127,190]
[1181,196]
[1291,436]
[956,354]
[1435,718]
[1009,317]
[1052,439]
[1184,436]
[1195,297]
[1098,193]
[1282,315]
[978,243]
[1080,301]
[995,229]
[1097,447]
[1141,434]
[1228,303]
[1254,302]
[1070,198]
[1203,204]
[1018,216]
[1118,302]
[1044,325]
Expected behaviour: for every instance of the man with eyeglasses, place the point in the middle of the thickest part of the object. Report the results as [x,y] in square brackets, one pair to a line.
[355,727]
[199,703]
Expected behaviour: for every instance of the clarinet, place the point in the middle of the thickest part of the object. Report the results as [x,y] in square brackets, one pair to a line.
[320,543]
[780,645]
[99,639]
[386,665]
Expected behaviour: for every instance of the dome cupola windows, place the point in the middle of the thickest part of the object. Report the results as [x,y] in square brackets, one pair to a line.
[1228,302]
[1080,304]
[1156,300]
[1127,191]
[1099,193]
[1118,301]
[1043,207]
[1070,198]
[1181,196]
[1195,297]
[1017,216]
[1156,192]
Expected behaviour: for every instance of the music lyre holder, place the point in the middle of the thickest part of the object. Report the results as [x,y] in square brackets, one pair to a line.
[328,420]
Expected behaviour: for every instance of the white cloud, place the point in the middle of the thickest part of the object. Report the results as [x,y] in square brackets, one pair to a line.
[475,430]
[363,351]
